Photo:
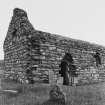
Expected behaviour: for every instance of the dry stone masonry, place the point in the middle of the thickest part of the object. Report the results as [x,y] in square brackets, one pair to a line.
[32,56]
[1,65]
[1,72]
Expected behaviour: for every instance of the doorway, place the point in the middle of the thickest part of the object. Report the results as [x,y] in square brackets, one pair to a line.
[68,69]
[97,59]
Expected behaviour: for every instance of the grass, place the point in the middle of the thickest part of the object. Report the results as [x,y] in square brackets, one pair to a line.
[38,93]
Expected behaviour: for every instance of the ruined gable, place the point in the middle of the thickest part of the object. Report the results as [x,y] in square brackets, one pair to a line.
[15,44]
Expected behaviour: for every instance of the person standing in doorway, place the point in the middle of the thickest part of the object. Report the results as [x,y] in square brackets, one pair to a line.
[68,69]
[64,72]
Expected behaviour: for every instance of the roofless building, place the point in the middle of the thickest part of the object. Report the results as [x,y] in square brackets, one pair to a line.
[31,55]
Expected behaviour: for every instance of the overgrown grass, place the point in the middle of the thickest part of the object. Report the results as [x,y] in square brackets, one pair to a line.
[38,93]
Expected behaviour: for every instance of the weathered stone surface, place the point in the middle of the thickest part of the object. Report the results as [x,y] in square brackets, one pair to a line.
[1,65]
[32,54]
[56,97]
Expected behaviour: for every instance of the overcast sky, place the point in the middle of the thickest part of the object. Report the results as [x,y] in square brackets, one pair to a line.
[78,19]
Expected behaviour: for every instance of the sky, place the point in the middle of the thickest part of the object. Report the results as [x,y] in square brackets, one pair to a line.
[78,19]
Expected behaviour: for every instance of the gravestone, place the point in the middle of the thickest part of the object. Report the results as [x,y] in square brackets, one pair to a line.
[60,81]
[51,77]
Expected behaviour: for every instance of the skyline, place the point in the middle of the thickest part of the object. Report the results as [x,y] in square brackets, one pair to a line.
[83,20]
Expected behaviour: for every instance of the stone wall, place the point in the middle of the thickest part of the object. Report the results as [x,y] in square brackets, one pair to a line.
[1,69]
[36,55]
[53,49]
[1,64]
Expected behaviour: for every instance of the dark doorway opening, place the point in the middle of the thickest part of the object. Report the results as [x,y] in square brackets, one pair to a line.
[97,59]
[68,69]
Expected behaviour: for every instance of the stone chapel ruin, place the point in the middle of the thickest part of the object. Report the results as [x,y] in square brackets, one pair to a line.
[32,56]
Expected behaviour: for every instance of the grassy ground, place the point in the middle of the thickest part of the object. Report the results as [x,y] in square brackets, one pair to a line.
[38,93]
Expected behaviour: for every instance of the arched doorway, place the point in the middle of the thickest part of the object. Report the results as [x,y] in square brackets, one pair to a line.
[68,69]
[97,58]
